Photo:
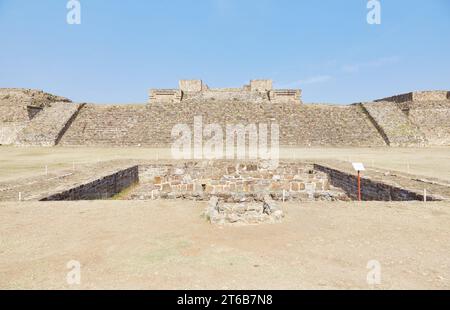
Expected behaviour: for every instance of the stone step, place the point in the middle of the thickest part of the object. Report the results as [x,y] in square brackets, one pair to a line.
[49,125]
[394,125]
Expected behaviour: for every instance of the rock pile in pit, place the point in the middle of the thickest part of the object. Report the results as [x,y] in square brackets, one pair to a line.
[244,213]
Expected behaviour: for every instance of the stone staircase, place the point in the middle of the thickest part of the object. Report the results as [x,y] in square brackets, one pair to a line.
[394,125]
[49,125]
[109,126]
[151,125]
[433,119]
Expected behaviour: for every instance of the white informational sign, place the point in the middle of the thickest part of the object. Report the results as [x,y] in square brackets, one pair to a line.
[358,167]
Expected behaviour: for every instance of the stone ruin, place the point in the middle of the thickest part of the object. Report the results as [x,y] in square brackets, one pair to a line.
[233,182]
[251,184]
[257,90]
[244,213]
[438,95]
[35,118]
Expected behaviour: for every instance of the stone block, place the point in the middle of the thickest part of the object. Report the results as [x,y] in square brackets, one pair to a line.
[166,187]
[191,85]
[261,85]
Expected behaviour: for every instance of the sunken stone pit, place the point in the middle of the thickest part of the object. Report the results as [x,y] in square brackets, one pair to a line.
[234,182]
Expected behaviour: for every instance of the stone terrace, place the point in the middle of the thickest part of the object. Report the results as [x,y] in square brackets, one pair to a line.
[433,118]
[151,126]
[49,125]
[394,125]
[414,119]
[30,97]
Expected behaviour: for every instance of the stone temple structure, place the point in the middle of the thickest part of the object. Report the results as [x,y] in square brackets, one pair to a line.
[34,118]
[256,91]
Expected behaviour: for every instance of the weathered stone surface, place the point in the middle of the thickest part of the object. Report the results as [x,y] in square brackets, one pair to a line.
[28,97]
[433,119]
[48,126]
[418,96]
[94,181]
[151,126]
[258,90]
[249,182]
[243,213]
[394,125]
[100,181]
[413,119]
[102,188]
[382,188]
[18,107]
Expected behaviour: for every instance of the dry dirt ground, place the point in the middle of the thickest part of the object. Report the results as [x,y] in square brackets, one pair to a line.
[168,245]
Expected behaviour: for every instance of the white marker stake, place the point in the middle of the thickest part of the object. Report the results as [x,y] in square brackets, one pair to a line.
[425,195]
[46,170]
[284,195]
[20,196]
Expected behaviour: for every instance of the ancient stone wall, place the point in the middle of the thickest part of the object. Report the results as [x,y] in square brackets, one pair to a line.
[285,95]
[18,107]
[48,126]
[261,85]
[102,188]
[165,95]
[13,119]
[432,118]
[430,96]
[10,131]
[261,90]
[151,125]
[394,125]
[29,117]
[371,190]
[28,97]
[192,86]
[234,182]
[418,96]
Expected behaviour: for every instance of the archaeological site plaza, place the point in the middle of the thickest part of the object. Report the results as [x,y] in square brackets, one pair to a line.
[222,153]
[225,188]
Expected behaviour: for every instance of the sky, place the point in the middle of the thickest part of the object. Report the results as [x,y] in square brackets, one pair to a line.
[121,49]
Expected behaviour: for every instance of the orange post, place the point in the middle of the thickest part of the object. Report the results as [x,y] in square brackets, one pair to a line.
[359,185]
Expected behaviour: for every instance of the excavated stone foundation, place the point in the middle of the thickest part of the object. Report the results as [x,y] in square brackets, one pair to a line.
[234,182]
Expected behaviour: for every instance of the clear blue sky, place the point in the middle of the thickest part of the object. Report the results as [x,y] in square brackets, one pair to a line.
[123,48]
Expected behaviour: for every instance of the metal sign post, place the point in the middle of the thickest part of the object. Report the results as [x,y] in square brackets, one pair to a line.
[359,167]
[359,185]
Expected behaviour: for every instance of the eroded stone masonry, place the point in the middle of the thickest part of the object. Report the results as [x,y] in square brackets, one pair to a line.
[31,117]
[237,192]
[234,182]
